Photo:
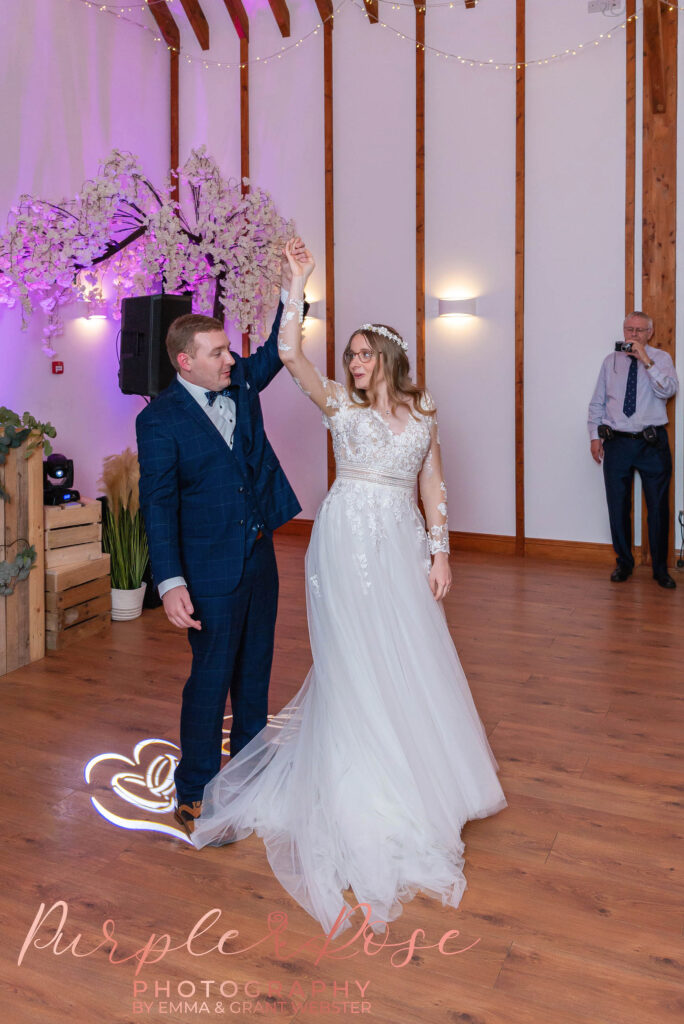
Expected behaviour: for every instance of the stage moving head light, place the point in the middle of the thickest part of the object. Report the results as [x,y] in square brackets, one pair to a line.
[58,479]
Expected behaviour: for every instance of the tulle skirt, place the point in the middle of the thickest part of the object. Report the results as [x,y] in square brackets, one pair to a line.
[367,776]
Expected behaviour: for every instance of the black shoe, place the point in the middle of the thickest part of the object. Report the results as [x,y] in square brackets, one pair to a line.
[665,580]
[620,574]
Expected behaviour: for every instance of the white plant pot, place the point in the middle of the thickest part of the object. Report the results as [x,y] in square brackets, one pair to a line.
[127,604]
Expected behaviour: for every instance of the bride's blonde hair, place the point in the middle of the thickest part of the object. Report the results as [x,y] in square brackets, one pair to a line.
[400,387]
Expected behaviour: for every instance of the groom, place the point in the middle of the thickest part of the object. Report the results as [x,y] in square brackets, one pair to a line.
[212,492]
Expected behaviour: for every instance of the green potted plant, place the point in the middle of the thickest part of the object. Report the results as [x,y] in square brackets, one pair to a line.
[123,533]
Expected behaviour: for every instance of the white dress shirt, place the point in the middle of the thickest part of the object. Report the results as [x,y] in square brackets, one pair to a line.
[221,413]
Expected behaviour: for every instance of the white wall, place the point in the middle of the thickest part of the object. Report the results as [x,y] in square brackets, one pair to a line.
[73,84]
[470,242]
[374,97]
[574,273]
[209,100]
[678,498]
[287,159]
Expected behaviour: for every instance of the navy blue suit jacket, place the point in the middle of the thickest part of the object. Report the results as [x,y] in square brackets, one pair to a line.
[196,493]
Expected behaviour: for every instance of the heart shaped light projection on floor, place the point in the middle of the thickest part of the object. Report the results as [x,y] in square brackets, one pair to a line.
[145,783]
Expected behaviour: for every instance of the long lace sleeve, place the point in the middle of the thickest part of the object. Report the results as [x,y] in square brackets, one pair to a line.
[433,491]
[323,392]
[290,333]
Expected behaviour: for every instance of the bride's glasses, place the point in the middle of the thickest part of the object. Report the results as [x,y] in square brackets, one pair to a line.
[365,355]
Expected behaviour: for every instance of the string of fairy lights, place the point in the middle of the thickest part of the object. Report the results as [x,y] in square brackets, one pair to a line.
[147,4]
[121,11]
[498,65]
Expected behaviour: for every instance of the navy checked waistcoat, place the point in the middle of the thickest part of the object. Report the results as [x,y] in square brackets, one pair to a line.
[196,494]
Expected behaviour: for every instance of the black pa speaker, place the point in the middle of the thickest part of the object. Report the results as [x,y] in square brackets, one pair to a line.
[144,366]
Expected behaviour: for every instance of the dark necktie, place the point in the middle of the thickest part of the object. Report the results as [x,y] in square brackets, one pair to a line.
[213,395]
[629,404]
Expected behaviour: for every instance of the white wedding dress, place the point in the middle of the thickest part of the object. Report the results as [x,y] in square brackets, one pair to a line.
[366,778]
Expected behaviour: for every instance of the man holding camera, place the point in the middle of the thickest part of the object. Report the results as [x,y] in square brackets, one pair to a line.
[627,417]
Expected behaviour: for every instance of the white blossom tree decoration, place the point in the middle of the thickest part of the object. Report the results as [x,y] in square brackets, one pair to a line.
[225,247]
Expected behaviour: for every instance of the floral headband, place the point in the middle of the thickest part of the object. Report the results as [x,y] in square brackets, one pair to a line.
[386,333]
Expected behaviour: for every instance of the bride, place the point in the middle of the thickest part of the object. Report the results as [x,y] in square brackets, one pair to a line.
[366,778]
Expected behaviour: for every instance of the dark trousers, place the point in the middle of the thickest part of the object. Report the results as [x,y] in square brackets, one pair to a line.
[622,456]
[232,653]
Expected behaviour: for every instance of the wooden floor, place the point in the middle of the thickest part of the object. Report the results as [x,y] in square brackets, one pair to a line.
[575,900]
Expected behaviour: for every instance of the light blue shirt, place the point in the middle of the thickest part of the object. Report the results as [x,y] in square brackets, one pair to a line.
[654,386]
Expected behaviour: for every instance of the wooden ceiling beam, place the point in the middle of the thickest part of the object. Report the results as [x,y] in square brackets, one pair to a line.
[195,16]
[166,24]
[470,4]
[653,40]
[281,14]
[238,15]
[372,11]
[325,9]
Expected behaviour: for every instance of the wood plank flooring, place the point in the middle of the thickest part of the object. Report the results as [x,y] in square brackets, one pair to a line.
[575,901]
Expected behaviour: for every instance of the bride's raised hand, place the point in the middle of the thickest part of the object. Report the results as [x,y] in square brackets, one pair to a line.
[299,259]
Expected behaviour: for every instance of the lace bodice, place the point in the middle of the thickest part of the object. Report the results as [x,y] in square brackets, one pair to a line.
[362,439]
[363,443]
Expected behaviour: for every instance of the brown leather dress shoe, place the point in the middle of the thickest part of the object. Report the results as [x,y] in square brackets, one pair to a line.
[187,814]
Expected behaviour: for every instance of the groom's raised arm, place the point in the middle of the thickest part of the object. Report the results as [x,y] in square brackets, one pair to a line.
[159,495]
[265,362]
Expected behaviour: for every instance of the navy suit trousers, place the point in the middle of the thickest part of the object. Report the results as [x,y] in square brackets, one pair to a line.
[622,456]
[231,654]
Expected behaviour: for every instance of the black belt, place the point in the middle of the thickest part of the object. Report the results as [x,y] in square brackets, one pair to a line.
[639,433]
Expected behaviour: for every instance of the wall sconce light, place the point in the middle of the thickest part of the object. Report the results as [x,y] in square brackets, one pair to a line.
[90,285]
[96,310]
[457,307]
[316,310]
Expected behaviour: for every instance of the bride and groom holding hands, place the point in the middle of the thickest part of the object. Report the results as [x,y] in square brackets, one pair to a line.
[367,776]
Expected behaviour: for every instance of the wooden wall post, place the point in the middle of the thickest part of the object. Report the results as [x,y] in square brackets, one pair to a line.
[660,188]
[174,155]
[520,279]
[244,137]
[630,155]
[420,193]
[329,220]
[171,36]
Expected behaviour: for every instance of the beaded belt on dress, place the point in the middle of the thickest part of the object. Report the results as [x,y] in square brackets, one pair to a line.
[347,472]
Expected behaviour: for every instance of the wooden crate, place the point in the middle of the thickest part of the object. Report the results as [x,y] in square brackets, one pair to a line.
[77,601]
[22,613]
[63,577]
[73,533]
[88,510]
[75,554]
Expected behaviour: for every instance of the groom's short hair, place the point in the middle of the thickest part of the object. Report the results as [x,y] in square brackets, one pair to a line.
[181,334]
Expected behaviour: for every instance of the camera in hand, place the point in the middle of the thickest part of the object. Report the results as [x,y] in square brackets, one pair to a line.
[623,346]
